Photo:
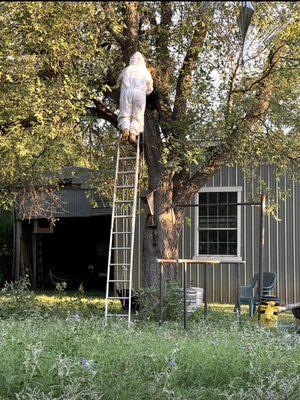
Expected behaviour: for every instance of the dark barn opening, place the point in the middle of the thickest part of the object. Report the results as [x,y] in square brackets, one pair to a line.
[76,253]
[66,243]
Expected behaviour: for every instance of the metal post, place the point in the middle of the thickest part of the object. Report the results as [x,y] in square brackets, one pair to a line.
[161,276]
[237,293]
[205,290]
[184,296]
[261,252]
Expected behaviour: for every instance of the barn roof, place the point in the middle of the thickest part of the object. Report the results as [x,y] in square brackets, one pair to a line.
[75,198]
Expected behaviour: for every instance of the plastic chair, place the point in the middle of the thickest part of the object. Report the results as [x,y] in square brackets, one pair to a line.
[269,281]
[246,292]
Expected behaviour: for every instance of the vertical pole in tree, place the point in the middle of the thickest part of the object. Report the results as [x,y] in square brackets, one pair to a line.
[184,295]
[261,252]
[161,276]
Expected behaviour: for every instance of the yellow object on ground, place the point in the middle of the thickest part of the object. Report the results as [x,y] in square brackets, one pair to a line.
[269,313]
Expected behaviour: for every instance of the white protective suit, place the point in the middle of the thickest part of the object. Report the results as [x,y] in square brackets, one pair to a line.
[136,82]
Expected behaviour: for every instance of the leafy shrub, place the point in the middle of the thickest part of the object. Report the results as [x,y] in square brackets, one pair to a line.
[172,302]
[18,299]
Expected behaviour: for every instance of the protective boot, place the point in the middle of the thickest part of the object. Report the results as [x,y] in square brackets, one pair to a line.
[132,139]
[125,134]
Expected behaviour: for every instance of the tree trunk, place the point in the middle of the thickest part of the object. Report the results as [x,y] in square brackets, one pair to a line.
[161,240]
[162,237]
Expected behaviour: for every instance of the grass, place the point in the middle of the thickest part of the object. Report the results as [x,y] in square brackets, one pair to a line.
[57,347]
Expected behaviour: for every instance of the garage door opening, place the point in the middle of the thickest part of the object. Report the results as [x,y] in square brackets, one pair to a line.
[76,253]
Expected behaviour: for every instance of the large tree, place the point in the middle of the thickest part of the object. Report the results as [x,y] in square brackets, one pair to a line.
[212,104]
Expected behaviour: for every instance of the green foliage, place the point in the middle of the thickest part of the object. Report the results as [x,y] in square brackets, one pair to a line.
[6,231]
[172,303]
[19,299]
[46,71]
[62,57]
[56,357]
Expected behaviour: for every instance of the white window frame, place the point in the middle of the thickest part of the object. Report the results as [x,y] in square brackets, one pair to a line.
[222,258]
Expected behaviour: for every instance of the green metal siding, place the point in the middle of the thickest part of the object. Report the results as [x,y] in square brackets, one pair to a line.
[282,239]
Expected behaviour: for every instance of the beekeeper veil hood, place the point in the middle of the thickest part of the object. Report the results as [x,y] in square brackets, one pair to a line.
[137,59]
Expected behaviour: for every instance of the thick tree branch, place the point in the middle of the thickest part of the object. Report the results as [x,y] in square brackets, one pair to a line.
[130,31]
[104,113]
[184,82]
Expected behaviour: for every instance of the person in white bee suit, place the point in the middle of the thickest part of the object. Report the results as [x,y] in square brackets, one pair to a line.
[136,82]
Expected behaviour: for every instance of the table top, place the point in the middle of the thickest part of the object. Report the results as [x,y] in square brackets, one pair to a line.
[199,261]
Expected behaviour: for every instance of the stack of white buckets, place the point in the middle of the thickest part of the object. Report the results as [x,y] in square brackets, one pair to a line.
[194,297]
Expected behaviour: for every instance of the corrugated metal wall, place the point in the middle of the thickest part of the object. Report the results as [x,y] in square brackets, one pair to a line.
[282,239]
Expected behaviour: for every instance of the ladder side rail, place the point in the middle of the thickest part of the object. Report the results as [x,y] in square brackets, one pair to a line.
[111,233]
[136,177]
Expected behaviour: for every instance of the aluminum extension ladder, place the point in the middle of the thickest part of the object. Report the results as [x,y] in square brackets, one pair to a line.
[121,243]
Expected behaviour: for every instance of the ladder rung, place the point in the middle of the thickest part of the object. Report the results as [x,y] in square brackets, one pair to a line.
[123,201]
[119,280]
[121,248]
[117,297]
[126,172]
[126,187]
[123,216]
[127,158]
[117,315]
[123,264]
[123,233]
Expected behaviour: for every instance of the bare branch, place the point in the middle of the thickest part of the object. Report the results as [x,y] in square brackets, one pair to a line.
[266,73]
[104,113]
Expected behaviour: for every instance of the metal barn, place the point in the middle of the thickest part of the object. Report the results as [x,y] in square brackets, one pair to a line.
[80,237]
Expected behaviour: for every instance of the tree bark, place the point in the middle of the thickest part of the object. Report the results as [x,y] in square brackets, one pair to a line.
[161,239]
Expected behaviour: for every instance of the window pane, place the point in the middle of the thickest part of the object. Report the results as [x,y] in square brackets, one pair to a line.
[203,222]
[213,236]
[213,218]
[212,248]
[222,210]
[232,197]
[232,236]
[222,248]
[203,236]
[223,222]
[212,197]
[232,248]
[232,222]
[232,210]
[203,248]
[203,210]
[223,197]
[223,236]
[202,198]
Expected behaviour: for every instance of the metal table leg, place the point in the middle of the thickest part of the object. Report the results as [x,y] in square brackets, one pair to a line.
[205,290]
[184,296]
[161,275]
[237,293]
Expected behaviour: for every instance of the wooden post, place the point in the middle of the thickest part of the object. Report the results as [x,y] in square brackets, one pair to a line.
[34,281]
[17,250]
